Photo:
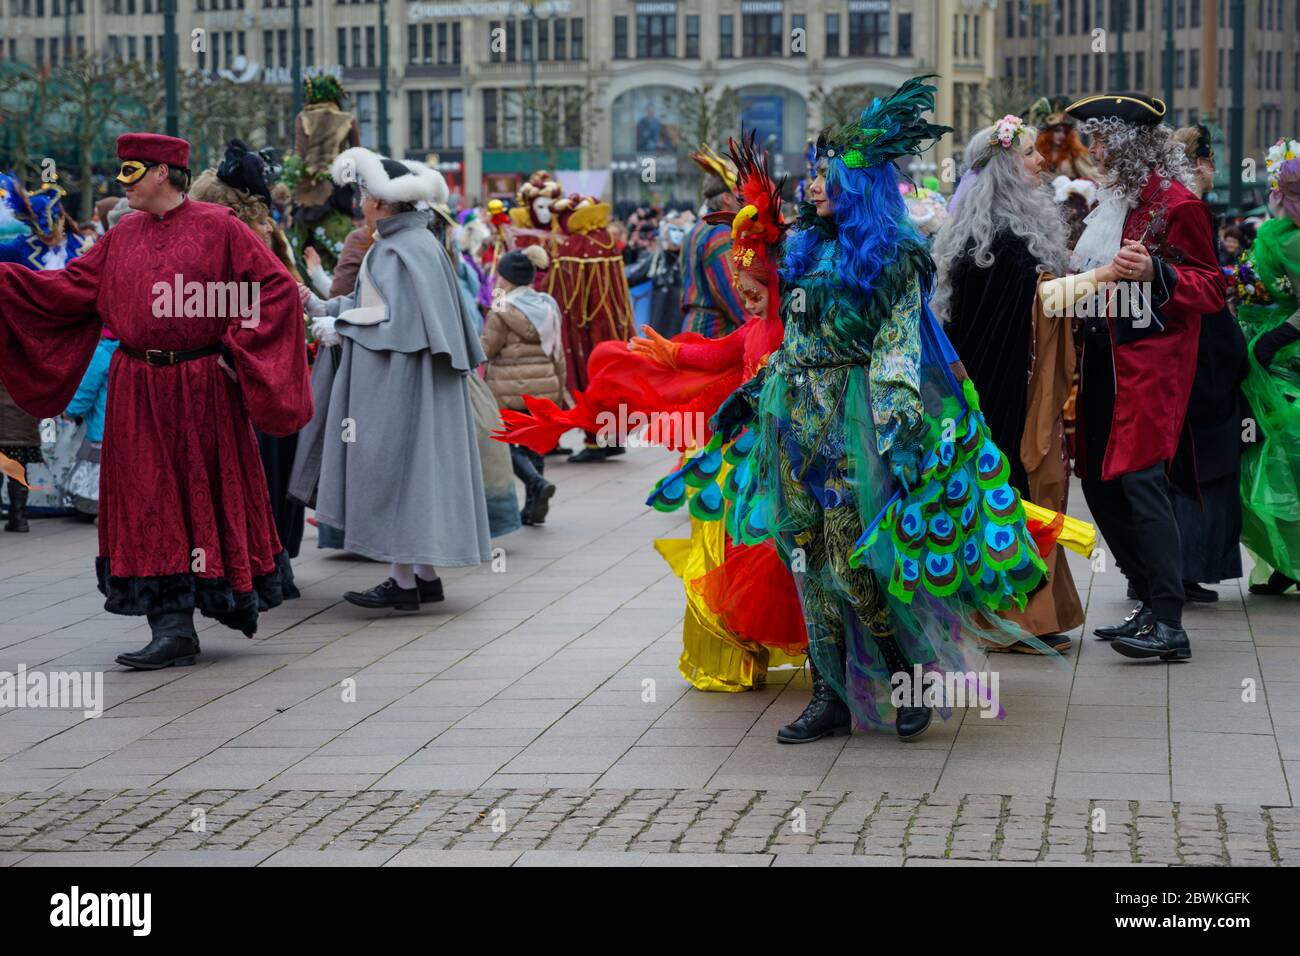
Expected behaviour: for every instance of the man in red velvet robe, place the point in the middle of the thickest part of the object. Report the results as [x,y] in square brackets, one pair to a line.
[212,344]
[1152,237]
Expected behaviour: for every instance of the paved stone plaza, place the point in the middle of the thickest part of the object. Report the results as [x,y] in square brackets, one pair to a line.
[510,725]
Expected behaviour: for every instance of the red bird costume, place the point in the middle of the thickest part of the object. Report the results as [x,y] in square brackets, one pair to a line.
[684,380]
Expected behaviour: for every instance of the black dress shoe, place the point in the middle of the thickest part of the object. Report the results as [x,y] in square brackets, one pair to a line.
[1277,583]
[430,591]
[1196,594]
[524,517]
[387,594]
[1137,618]
[1132,594]
[167,651]
[1157,639]
[826,715]
[589,454]
[540,502]
[912,722]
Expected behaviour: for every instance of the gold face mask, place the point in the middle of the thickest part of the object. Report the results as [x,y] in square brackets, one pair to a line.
[133,171]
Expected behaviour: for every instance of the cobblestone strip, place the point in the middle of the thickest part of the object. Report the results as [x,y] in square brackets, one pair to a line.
[889,828]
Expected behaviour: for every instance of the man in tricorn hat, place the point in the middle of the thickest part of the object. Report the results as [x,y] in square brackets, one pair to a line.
[211,330]
[1151,243]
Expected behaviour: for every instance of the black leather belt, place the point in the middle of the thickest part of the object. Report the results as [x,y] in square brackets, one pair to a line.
[160,358]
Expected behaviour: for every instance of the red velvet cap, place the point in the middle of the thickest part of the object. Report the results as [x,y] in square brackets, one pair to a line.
[154,148]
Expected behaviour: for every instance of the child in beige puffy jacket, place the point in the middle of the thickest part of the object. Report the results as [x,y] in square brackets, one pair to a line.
[521,339]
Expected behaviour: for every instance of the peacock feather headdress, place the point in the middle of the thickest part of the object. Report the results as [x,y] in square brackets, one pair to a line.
[886,130]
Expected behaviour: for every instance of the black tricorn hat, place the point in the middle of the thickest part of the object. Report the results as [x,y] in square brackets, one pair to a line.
[244,169]
[1136,108]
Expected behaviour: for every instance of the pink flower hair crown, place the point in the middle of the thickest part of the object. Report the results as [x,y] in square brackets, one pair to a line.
[1008,130]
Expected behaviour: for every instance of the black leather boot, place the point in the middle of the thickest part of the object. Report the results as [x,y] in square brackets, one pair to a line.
[1157,639]
[385,595]
[1137,618]
[429,591]
[1194,593]
[17,508]
[174,643]
[825,715]
[539,497]
[168,650]
[910,722]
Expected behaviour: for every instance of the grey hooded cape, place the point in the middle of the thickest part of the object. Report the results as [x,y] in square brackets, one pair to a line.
[392,452]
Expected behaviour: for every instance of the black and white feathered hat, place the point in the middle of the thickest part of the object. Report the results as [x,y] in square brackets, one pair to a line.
[389,180]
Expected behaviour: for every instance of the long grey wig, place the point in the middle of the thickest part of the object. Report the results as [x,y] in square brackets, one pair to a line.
[994,199]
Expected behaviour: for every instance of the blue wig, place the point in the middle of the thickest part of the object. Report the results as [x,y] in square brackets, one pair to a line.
[871,224]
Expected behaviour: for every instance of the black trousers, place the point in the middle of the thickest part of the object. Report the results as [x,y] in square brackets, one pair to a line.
[1135,513]
[527,464]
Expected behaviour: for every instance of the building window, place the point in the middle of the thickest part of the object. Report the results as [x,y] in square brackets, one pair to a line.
[494,55]
[560,40]
[412,43]
[905,34]
[414,117]
[799,22]
[726,37]
[435,119]
[868,34]
[832,34]
[1059,74]
[692,36]
[356,46]
[1194,69]
[526,41]
[656,36]
[490,139]
[543,40]
[1140,69]
[456,119]
[343,46]
[575,39]
[1140,15]
[268,48]
[1010,24]
[761,34]
[309,47]
[620,38]
[1180,70]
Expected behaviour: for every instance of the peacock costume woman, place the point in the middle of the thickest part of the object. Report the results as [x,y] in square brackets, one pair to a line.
[860,450]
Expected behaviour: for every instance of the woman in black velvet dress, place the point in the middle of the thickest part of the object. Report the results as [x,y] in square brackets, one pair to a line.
[1003,233]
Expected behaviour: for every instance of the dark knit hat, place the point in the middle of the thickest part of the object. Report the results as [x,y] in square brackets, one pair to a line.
[516,268]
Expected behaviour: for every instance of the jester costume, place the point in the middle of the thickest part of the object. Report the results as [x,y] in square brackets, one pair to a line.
[860,451]
[743,614]
[1268,282]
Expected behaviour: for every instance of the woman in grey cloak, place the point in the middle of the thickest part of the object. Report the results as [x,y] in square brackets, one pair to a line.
[392,452]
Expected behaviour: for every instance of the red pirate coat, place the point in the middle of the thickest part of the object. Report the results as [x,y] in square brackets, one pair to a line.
[1154,365]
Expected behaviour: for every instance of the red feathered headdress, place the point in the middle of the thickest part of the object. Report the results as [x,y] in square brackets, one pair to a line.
[757,229]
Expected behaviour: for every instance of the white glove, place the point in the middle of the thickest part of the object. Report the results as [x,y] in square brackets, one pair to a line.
[322,327]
